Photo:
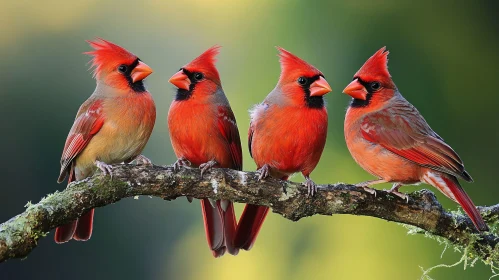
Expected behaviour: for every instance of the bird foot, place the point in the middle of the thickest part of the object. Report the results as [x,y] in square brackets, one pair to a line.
[370,190]
[311,186]
[207,166]
[189,198]
[395,191]
[142,160]
[399,194]
[179,163]
[366,188]
[105,168]
[264,172]
[365,185]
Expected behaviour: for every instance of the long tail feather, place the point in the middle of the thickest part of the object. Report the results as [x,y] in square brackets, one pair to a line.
[449,185]
[465,201]
[80,229]
[230,226]
[65,233]
[213,226]
[250,223]
[84,227]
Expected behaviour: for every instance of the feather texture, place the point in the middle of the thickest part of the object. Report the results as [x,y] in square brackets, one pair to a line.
[107,56]
[112,126]
[88,122]
[286,135]
[402,130]
[203,129]
[390,139]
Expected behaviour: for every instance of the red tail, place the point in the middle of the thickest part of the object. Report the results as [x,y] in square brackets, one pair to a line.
[450,186]
[80,229]
[84,226]
[465,201]
[219,227]
[250,223]
[230,225]
[65,233]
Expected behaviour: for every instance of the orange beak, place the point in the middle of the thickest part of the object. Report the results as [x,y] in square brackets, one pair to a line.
[356,90]
[180,80]
[140,72]
[319,87]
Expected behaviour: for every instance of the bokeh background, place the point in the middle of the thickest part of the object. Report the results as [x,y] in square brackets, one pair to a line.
[443,58]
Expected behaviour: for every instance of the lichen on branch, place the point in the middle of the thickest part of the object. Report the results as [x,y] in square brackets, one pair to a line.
[19,235]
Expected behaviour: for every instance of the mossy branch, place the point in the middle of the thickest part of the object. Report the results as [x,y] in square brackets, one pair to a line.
[19,235]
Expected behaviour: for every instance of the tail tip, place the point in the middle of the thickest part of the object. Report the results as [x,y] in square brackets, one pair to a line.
[478,221]
[81,238]
[467,177]
[61,241]
[482,226]
[218,253]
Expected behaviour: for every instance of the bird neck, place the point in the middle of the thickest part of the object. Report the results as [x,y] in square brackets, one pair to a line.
[107,91]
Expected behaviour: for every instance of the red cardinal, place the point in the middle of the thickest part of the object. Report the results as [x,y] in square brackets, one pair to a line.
[287,134]
[204,133]
[111,127]
[389,138]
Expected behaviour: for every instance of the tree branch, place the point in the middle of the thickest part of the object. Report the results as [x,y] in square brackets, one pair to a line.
[19,235]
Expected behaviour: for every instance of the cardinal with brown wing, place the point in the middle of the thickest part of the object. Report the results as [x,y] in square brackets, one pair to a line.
[390,139]
[112,126]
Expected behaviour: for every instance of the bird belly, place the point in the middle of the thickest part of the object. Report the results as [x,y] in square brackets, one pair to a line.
[199,150]
[122,137]
[196,137]
[293,147]
[382,163]
[281,159]
[112,145]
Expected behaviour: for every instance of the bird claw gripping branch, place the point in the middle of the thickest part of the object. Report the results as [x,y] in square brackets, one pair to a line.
[141,160]
[311,186]
[105,168]
[207,166]
[179,163]
[263,172]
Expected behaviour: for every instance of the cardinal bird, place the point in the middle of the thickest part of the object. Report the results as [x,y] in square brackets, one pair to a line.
[287,134]
[203,132]
[112,126]
[389,138]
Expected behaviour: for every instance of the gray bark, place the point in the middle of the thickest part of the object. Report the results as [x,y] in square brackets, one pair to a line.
[19,235]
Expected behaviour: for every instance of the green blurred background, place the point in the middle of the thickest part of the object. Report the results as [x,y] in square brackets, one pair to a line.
[443,59]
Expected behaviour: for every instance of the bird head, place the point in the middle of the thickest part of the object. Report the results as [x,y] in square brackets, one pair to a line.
[199,77]
[301,82]
[372,82]
[117,67]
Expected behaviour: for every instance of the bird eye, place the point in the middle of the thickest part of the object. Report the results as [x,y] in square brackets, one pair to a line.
[122,68]
[198,76]
[302,80]
[375,85]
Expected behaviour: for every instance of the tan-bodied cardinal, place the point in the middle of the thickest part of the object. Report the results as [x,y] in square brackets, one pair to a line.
[389,138]
[112,126]
[204,134]
[287,134]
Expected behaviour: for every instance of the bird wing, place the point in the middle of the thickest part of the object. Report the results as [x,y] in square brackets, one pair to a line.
[402,130]
[88,122]
[251,130]
[228,127]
